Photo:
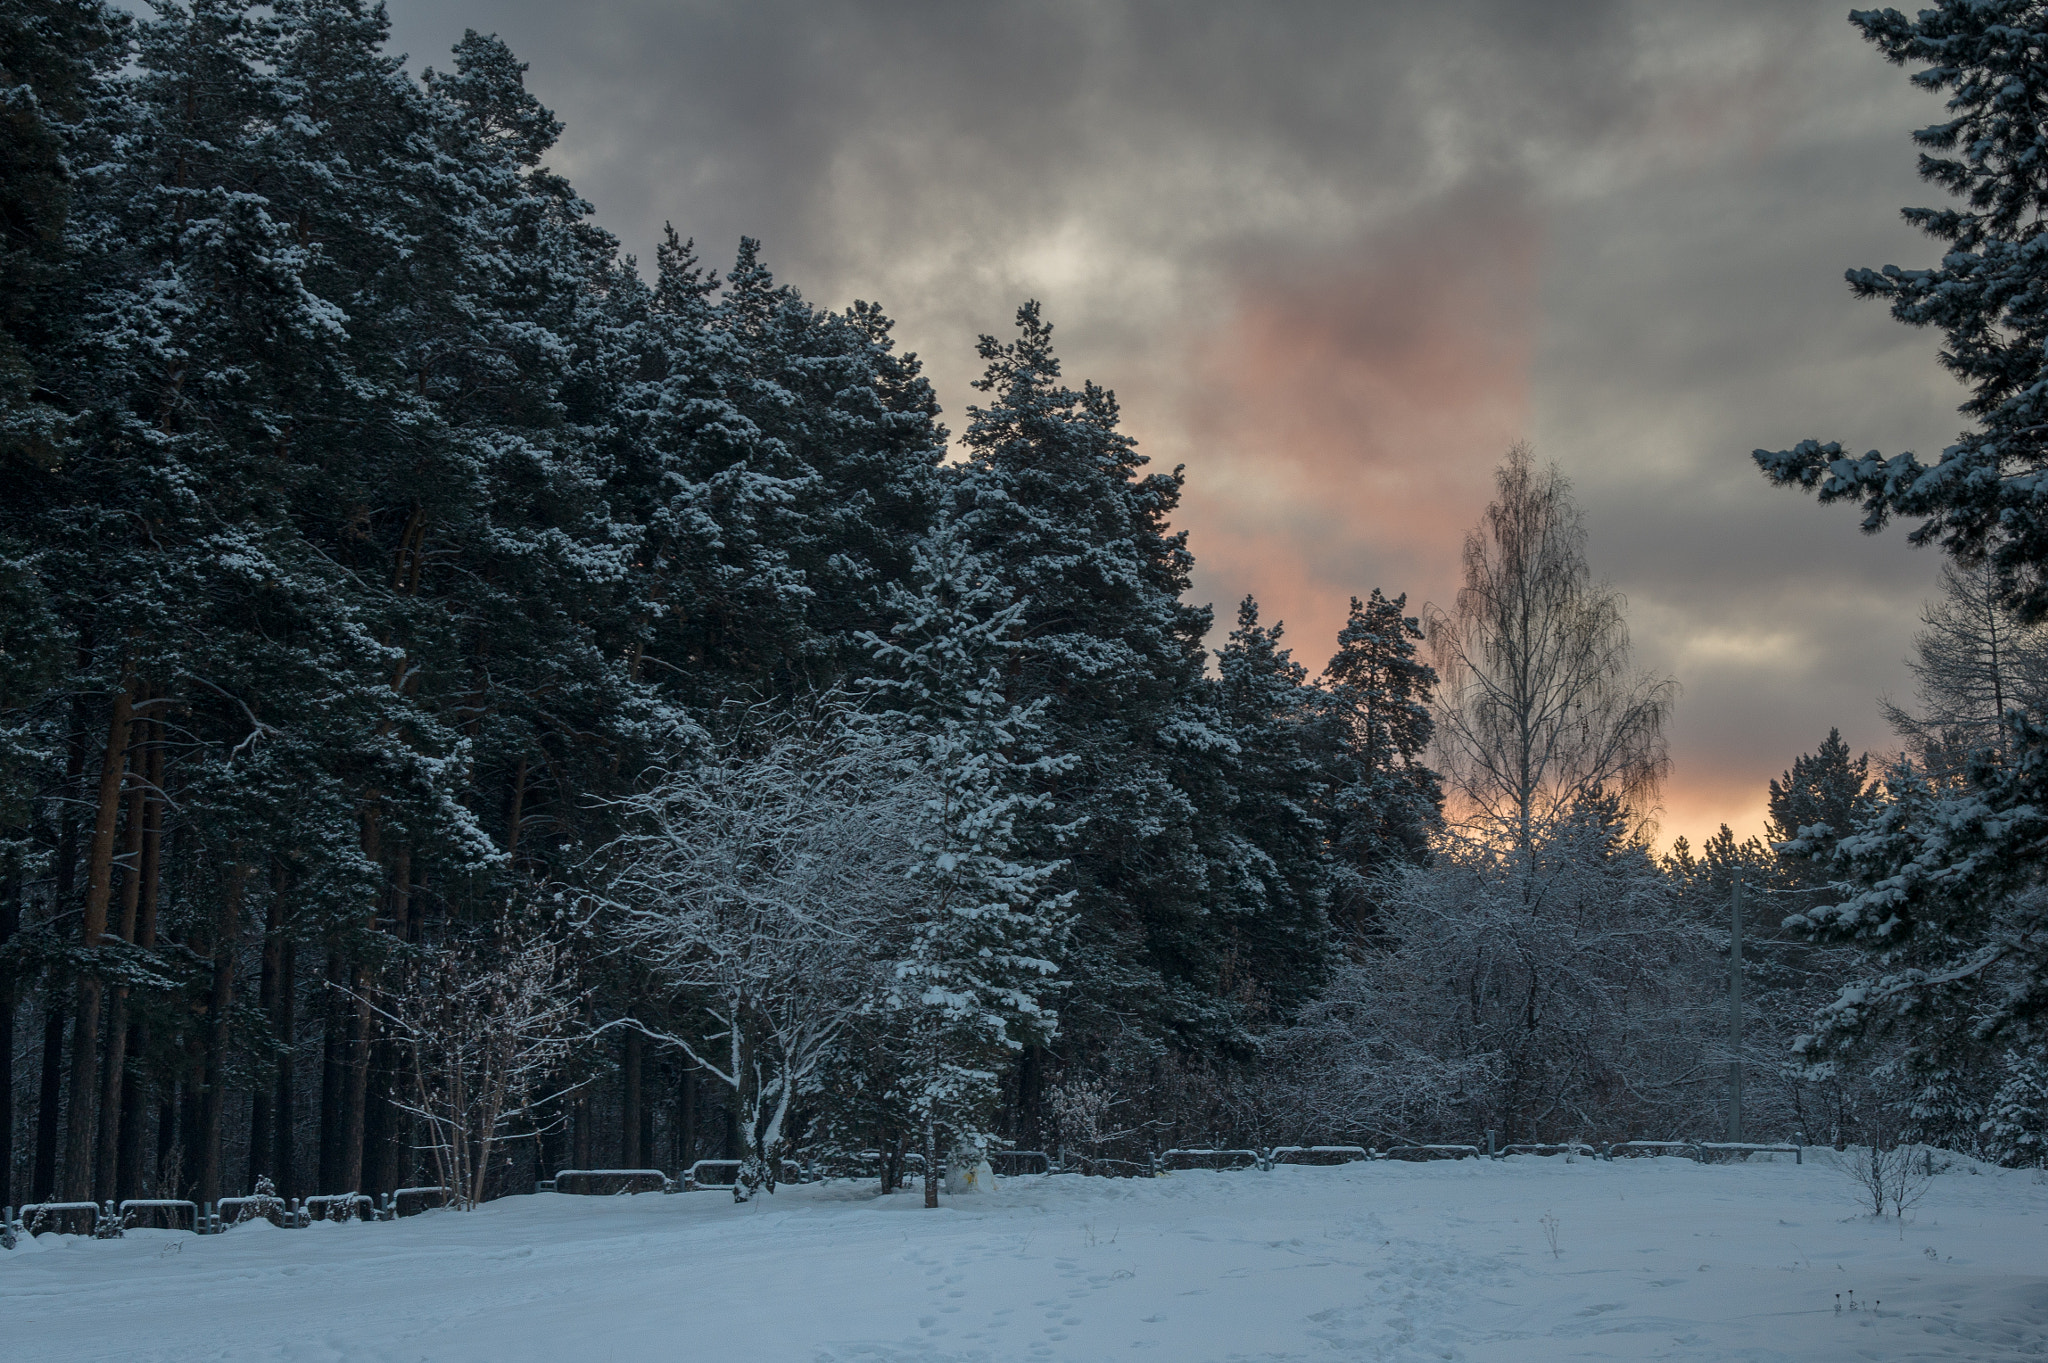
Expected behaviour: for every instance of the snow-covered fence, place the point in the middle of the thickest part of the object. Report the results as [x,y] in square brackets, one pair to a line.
[859,1164]
[38,1217]
[412,1201]
[1114,1168]
[340,1207]
[1727,1152]
[1012,1163]
[1220,1161]
[712,1174]
[145,1211]
[232,1211]
[1320,1155]
[1645,1149]
[1430,1152]
[612,1182]
[1564,1148]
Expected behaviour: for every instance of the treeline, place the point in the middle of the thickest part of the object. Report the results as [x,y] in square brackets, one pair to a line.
[471,705]
[373,533]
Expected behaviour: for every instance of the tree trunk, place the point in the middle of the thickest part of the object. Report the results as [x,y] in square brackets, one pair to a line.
[931,1164]
[99,890]
[219,1006]
[686,1119]
[284,1149]
[355,1080]
[113,1087]
[262,1117]
[128,1151]
[630,1064]
[334,1014]
[49,1098]
[10,920]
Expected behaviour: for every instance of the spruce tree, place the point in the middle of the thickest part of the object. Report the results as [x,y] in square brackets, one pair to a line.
[972,980]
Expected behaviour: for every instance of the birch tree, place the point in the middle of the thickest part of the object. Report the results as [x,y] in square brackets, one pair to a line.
[1541,706]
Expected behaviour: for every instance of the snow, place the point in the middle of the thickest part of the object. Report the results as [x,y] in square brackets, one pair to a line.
[1656,1258]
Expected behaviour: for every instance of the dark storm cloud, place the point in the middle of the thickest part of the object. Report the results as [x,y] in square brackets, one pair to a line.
[1334,257]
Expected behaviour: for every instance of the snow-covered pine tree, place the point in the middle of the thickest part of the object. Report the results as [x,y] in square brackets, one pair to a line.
[1052,497]
[972,977]
[1978,499]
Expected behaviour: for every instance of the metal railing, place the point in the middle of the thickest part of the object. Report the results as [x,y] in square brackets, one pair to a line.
[609,1182]
[1318,1155]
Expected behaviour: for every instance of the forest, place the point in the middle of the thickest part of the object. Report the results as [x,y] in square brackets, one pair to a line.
[474,704]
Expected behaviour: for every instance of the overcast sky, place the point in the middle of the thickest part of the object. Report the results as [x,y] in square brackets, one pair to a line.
[1335,258]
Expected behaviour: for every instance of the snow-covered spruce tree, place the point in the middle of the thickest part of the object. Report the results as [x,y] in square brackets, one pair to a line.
[756,875]
[1385,803]
[972,975]
[1542,707]
[1948,902]
[1261,792]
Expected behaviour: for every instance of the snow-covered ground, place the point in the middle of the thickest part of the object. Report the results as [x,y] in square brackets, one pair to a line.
[1655,1259]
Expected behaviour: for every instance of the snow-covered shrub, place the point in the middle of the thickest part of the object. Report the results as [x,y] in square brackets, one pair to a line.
[1543,994]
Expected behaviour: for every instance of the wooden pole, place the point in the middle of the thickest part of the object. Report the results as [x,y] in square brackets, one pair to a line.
[1735,1011]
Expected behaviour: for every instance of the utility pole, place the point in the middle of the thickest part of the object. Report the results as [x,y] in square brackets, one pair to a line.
[1735,1012]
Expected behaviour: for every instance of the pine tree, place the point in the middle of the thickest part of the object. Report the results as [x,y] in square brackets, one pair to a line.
[1052,497]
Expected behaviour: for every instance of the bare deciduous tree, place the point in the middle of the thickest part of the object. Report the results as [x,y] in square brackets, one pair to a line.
[1975,660]
[761,879]
[484,1032]
[1541,704]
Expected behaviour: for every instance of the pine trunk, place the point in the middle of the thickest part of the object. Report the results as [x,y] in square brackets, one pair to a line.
[262,1117]
[629,1101]
[49,1099]
[220,1004]
[113,1085]
[10,921]
[284,1157]
[99,891]
[931,1165]
[686,1119]
[334,1016]
[128,1149]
